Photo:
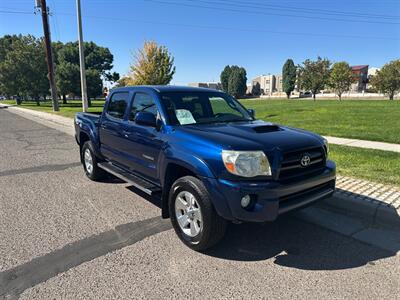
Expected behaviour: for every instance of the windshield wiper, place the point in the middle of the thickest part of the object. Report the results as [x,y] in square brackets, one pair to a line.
[146,107]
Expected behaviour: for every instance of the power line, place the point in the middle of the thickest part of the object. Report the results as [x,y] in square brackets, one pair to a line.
[216,8]
[16,12]
[55,23]
[305,10]
[235,29]
[224,28]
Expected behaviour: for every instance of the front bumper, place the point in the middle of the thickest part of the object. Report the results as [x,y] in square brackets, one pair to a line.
[270,198]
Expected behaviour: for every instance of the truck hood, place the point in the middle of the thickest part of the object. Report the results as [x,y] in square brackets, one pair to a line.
[255,135]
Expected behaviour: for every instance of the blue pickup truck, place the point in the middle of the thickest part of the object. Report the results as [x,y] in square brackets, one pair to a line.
[206,157]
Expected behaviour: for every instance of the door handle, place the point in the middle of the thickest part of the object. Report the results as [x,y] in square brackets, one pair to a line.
[126,133]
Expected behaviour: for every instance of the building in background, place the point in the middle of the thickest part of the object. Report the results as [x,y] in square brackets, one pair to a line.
[269,84]
[266,82]
[278,84]
[361,78]
[210,85]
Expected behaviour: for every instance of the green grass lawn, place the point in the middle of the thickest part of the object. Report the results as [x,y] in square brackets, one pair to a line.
[374,165]
[66,110]
[376,120]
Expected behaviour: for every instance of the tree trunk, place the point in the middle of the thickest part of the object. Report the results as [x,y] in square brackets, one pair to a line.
[340,97]
[18,100]
[313,95]
[89,102]
[64,97]
[391,96]
[288,95]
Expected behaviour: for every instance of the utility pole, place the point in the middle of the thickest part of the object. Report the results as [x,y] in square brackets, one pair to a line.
[49,54]
[81,57]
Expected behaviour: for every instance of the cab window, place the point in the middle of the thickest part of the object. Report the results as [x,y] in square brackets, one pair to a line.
[117,105]
[142,102]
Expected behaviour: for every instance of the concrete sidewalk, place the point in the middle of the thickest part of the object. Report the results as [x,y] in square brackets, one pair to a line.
[363,144]
[66,125]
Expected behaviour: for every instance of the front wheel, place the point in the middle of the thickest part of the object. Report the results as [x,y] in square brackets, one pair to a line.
[193,216]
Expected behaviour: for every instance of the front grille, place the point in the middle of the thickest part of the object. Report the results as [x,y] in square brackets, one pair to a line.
[291,163]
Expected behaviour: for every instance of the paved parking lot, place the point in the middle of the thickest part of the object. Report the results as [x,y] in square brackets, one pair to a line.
[63,236]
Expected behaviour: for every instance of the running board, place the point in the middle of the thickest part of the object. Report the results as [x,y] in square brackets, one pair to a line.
[139,183]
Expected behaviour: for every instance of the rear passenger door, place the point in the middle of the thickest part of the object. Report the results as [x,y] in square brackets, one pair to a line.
[111,128]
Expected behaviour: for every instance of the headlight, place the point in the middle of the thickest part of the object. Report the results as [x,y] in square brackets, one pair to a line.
[326,144]
[246,163]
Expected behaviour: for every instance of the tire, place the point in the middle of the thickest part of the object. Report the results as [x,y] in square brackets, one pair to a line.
[204,226]
[93,172]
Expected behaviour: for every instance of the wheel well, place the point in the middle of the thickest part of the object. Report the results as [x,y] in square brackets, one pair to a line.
[172,173]
[83,138]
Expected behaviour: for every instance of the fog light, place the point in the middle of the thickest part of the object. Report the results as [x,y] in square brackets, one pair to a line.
[245,201]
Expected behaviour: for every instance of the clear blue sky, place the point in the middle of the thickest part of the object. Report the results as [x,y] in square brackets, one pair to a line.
[206,35]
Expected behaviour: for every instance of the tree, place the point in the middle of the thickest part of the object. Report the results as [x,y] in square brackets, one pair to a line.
[11,50]
[341,77]
[238,87]
[68,79]
[289,71]
[153,65]
[97,58]
[94,83]
[23,70]
[256,89]
[225,74]
[124,81]
[237,82]
[314,75]
[387,80]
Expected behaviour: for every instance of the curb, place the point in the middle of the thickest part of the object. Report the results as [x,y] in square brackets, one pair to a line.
[375,212]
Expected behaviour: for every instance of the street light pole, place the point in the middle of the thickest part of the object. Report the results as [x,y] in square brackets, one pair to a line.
[81,57]
[49,54]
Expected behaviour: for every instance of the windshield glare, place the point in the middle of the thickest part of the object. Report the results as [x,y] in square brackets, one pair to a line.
[185,108]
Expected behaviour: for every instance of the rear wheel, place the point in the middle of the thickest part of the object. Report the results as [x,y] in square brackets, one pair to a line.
[193,216]
[90,161]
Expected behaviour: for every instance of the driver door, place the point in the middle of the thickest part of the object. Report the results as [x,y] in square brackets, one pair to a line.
[142,143]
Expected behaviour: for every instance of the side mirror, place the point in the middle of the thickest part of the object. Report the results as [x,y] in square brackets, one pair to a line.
[146,119]
[252,112]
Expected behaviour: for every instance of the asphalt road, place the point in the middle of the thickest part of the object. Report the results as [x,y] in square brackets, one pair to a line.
[63,236]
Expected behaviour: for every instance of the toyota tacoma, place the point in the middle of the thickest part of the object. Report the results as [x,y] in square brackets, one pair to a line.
[205,156]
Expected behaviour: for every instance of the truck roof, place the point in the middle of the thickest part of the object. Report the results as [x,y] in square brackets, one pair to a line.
[165,88]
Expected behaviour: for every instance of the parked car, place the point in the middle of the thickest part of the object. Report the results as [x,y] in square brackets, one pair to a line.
[207,157]
[305,94]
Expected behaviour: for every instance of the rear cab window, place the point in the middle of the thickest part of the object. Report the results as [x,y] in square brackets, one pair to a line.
[117,105]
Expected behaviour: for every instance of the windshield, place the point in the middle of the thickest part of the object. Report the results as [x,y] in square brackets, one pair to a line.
[185,108]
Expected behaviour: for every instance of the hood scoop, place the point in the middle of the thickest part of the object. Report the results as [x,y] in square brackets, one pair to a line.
[266,128]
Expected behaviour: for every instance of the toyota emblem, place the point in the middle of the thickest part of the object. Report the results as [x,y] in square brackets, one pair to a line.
[305,160]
